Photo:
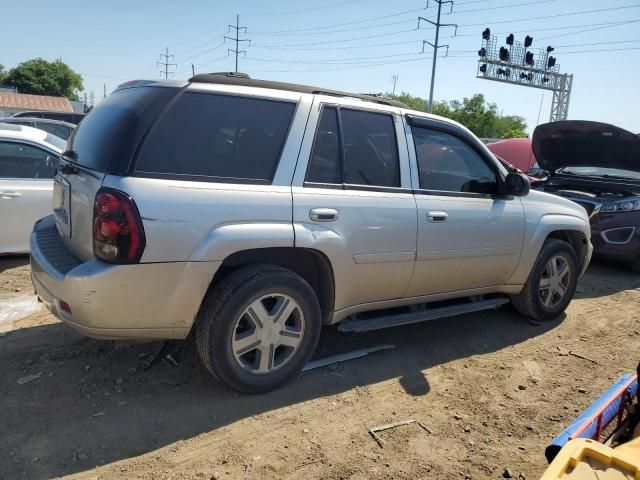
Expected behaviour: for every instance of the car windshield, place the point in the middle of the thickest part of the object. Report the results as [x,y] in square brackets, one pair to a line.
[57,142]
[602,172]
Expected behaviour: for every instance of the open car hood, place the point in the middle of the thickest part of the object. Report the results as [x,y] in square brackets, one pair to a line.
[579,143]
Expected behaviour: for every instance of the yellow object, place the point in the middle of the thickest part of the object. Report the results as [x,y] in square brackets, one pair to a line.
[583,459]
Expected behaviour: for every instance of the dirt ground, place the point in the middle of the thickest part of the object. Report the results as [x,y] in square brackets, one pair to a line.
[95,413]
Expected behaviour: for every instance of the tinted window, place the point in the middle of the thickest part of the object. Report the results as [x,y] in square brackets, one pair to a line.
[53,128]
[219,136]
[25,161]
[369,149]
[446,163]
[324,165]
[107,137]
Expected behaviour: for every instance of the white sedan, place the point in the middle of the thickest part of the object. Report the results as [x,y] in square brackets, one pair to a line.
[28,161]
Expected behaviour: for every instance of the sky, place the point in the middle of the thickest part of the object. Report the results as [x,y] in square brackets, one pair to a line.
[352,45]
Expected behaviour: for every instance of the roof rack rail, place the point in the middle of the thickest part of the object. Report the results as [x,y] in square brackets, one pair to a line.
[242,79]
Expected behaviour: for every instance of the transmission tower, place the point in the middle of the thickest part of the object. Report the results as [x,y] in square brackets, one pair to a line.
[394,79]
[237,39]
[164,62]
[435,45]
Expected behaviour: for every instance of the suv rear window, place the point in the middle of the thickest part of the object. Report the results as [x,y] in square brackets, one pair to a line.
[107,137]
[211,136]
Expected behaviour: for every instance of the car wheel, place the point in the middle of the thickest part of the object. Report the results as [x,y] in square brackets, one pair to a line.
[258,328]
[551,284]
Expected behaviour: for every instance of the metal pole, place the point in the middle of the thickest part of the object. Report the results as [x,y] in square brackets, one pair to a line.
[237,34]
[193,70]
[435,57]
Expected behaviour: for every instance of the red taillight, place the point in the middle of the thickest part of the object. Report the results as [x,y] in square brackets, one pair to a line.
[118,236]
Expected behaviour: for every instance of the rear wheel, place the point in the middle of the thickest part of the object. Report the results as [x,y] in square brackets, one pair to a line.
[258,328]
[551,284]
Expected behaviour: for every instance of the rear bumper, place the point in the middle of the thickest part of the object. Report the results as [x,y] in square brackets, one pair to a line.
[141,301]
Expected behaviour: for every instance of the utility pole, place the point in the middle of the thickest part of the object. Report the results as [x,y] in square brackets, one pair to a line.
[104,90]
[166,57]
[436,45]
[237,39]
[193,70]
[394,79]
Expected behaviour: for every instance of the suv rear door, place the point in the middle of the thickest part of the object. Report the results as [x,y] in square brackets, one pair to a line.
[352,199]
[469,236]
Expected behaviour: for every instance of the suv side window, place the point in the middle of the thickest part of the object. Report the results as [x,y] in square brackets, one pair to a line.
[18,160]
[227,138]
[363,152]
[60,131]
[446,163]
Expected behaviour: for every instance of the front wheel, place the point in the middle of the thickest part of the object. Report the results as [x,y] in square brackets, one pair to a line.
[258,328]
[551,284]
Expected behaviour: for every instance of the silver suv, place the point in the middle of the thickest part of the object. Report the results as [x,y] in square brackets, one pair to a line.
[253,212]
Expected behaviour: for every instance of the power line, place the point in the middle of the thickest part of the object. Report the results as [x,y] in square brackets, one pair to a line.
[166,63]
[306,10]
[340,41]
[583,12]
[343,47]
[590,30]
[205,44]
[564,27]
[368,27]
[237,39]
[370,19]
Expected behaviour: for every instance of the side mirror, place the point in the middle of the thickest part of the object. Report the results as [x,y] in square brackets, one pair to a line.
[516,184]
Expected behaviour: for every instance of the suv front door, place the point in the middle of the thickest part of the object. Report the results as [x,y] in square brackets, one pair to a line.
[352,200]
[469,236]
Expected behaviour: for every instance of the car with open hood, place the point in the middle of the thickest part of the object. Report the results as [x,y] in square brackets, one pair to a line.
[597,165]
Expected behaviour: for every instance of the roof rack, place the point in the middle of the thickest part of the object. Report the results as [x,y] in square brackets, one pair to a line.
[242,79]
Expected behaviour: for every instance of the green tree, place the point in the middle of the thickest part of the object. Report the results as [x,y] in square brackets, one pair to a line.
[39,77]
[475,113]
[3,73]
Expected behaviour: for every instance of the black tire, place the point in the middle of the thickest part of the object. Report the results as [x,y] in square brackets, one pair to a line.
[223,307]
[530,300]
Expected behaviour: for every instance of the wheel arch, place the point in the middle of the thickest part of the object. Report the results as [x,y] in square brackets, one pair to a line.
[570,229]
[310,264]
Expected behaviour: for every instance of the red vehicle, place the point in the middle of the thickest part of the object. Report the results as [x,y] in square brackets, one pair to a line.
[516,151]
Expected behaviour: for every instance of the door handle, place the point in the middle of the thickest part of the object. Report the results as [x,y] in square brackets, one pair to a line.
[10,195]
[437,217]
[323,214]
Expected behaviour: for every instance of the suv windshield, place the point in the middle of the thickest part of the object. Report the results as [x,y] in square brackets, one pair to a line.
[601,172]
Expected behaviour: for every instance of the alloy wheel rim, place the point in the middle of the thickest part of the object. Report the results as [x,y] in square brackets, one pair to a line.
[554,282]
[268,333]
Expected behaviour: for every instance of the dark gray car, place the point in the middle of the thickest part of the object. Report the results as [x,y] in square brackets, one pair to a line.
[55,127]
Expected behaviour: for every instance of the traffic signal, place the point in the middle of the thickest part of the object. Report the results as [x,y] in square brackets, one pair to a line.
[528,58]
[510,39]
[545,79]
[504,54]
[504,71]
[551,62]
[486,33]
[550,49]
[482,52]
[483,68]
[528,41]
[526,76]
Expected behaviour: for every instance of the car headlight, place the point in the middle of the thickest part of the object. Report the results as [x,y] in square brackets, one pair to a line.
[622,206]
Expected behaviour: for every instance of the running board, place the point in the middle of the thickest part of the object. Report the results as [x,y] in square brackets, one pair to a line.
[377,323]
